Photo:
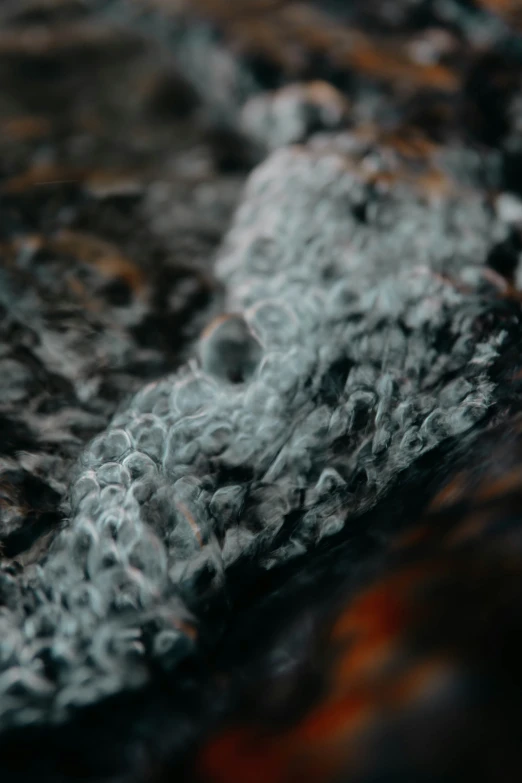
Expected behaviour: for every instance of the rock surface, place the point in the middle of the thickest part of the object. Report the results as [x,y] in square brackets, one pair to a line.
[259,297]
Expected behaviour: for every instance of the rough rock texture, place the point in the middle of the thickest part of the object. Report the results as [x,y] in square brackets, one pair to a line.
[354,356]
[361,333]
[399,679]
[105,263]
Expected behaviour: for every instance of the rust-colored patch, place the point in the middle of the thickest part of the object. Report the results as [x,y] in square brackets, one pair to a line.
[391,64]
[471,527]
[417,682]
[333,718]
[328,739]
[435,184]
[287,32]
[509,10]
[502,284]
[238,755]
[323,94]
[101,254]
[409,143]
[509,483]
[42,39]
[99,181]
[454,491]
[190,519]
[215,323]
[41,175]
[367,658]
[217,9]
[412,537]
[410,161]
[381,612]
[25,128]
[189,630]
[54,174]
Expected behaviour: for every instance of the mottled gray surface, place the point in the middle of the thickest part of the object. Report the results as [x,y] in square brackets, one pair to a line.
[358,345]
